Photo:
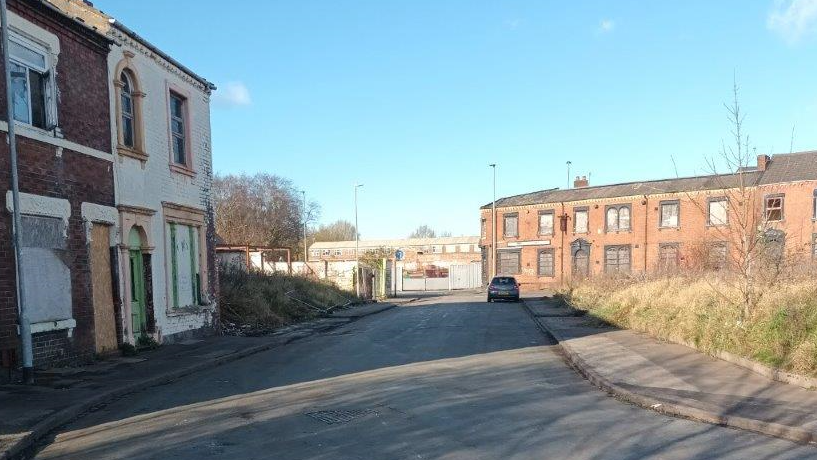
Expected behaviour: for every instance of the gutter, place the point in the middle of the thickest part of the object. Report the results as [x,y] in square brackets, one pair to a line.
[114,23]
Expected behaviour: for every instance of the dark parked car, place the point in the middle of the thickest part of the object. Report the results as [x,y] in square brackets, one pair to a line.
[503,287]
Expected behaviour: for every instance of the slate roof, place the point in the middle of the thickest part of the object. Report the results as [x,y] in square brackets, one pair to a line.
[790,167]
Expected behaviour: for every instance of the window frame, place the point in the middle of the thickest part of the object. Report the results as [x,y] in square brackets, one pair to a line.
[766,209]
[576,211]
[709,258]
[518,254]
[709,202]
[177,214]
[186,119]
[137,150]
[814,246]
[552,268]
[483,222]
[677,204]
[552,222]
[47,75]
[676,265]
[617,208]
[505,217]
[814,206]
[618,248]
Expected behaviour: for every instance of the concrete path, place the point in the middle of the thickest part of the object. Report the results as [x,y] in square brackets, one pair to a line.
[61,395]
[629,363]
[452,378]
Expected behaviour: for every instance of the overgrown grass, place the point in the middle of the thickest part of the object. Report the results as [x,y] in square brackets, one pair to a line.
[260,300]
[781,331]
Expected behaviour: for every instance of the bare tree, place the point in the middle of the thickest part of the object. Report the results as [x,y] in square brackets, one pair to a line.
[423,231]
[340,230]
[263,210]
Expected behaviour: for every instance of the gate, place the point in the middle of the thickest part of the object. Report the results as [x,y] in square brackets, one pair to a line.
[466,276]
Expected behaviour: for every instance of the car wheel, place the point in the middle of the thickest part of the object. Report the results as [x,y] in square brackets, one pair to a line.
[490,300]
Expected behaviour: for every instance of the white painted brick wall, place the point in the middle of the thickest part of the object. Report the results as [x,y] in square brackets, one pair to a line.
[150,184]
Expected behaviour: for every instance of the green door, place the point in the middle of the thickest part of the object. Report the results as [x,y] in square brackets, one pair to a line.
[137,286]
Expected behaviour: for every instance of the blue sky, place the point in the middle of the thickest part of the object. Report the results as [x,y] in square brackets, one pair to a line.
[415,98]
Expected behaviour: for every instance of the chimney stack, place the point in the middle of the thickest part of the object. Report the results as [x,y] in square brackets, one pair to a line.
[763,162]
[580,182]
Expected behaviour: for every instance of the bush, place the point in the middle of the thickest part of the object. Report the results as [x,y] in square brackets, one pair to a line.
[272,300]
[706,311]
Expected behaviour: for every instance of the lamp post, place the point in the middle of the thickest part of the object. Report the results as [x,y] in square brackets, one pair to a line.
[493,225]
[357,244]
[303,192]
[25,325]
[568,172]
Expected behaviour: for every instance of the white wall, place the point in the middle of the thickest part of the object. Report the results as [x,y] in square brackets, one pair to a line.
[148,184]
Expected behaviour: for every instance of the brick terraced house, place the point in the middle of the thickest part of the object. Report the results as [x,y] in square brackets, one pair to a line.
[545,238]
[62,116]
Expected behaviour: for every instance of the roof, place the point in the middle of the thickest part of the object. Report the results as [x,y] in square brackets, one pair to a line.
[401,243]
[790,167]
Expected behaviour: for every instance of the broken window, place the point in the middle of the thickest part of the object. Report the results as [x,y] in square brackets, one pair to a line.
[580,220]
[669,214]
[718,211]
[774,208]
[29,82]
[185,263]
[617,259]
[511,225]
[545,262]
[546,222]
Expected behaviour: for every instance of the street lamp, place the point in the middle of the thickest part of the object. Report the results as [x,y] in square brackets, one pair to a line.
[493,225]
[357,244]
[303,192]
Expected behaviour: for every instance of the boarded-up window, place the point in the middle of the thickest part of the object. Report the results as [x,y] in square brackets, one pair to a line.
[580,221]
[511,225]
[545,262]
[814,246]
[617,259]
[717,257]
[483,225]
[46,276]
[718,211]
[509,262]
[668,257]
[617,218]
[546,223]
[670,211]
[184,269]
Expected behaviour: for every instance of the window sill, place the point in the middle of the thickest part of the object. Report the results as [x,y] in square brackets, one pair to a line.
[126,151]
[677,227]
[180,169]
[613,232]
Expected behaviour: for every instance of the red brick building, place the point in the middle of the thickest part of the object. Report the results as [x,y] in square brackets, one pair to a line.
[545,238]
[61,108]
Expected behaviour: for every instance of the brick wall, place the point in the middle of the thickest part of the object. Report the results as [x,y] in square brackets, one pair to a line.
[53,348]
[45,169]
[645,235]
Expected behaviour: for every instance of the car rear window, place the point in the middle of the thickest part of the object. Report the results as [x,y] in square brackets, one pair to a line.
[504,281]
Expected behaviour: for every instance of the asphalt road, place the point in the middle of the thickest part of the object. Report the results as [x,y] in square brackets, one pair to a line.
[447,378]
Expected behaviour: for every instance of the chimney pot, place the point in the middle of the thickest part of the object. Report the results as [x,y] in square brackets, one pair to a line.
[580,182]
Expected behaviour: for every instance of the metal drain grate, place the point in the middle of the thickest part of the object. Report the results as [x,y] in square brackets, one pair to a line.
[333,417]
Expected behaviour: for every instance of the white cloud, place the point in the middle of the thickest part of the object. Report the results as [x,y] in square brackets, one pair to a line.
[606,26]
[793,19]
[233,94]
[512,24]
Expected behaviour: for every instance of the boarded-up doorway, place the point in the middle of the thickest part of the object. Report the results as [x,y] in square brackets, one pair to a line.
[102,285]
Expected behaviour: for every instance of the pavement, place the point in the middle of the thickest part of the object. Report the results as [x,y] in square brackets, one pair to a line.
[27,413]
[677,380]
[450,378]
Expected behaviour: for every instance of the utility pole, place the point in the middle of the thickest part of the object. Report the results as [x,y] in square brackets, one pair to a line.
[25,326]
[493,225]
[357,246]
[303,192]
[568,172]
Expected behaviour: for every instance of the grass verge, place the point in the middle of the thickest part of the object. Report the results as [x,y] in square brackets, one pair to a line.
[780,332]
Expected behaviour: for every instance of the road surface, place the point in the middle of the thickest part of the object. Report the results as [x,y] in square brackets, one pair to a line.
[444,378]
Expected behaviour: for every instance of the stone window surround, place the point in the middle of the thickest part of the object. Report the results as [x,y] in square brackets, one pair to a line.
[186,169]
[138,150]
[661,205]
[186,215]
[130,217]
[618,208]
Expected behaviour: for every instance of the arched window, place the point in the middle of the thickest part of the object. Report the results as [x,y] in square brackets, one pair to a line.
[127,111]
[618,218]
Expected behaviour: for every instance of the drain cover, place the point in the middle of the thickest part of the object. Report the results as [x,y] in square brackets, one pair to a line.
[333,417]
